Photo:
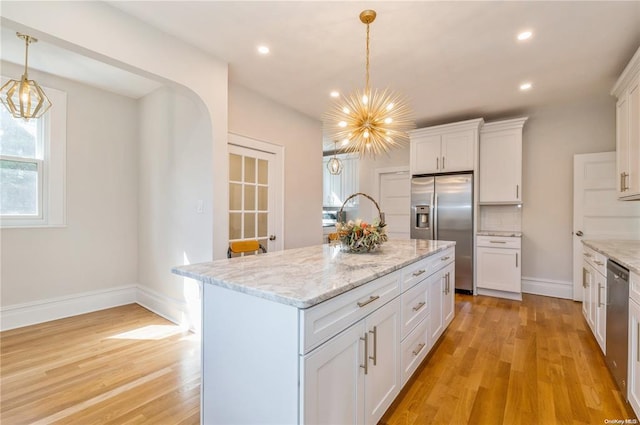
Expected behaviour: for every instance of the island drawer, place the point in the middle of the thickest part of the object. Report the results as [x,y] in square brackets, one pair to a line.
[323,321]
[415,306]
[438,261]
[414,273]
[413,349]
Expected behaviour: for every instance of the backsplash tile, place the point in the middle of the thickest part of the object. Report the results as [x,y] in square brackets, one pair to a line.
[501,217]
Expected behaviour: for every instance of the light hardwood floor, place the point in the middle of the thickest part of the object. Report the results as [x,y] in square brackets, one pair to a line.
[500,362]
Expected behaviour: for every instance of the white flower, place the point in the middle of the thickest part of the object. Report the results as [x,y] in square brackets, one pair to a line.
[358,222]
[350,223]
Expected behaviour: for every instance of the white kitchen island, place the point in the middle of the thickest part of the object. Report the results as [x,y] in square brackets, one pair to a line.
[315,335]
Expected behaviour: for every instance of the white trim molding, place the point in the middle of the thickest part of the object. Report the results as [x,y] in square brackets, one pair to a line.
[547,287]
[31,313]
[180,312]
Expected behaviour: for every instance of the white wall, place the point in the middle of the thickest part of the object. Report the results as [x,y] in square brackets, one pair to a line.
[552,135]
[97,250]
[255,116]
[173,177]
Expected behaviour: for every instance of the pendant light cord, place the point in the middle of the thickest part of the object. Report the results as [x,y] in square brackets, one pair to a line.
[366,87]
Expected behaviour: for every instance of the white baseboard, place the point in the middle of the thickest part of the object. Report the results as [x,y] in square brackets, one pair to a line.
[500,294]
[174,310]
[31,313]
[547,287]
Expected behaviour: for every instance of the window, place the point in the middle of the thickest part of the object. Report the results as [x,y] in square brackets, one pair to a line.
[32,166]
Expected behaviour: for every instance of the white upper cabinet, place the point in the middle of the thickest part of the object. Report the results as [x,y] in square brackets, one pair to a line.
[501,162]
[445,148]
[627,90]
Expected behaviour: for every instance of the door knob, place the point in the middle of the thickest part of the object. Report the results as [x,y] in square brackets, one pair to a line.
[579,233]
[272,237]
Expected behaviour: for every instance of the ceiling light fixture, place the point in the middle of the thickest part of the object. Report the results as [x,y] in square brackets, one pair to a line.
[334,165]
[525,86]
[525,35]
[371,121]
[334,93]
[263,50]
[24,98]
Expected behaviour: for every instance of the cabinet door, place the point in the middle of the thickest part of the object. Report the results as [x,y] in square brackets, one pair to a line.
[600,287]
[448,295]
[501,167]
[333,387]
[425,155]
[457,151]
[632,180]
[383,379]
[499,269]
[633,386]
[436,290]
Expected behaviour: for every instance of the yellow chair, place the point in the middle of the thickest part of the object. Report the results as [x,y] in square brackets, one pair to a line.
[244,247]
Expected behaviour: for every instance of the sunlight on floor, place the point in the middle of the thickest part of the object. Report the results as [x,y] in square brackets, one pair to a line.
[151,332]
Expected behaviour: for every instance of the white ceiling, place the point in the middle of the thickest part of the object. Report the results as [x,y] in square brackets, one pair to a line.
[453,60]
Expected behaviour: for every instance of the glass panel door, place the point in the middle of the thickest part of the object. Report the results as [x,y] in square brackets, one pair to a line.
[251,200]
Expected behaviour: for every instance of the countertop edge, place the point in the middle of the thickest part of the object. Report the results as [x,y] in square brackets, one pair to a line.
[307,302]
[593,244]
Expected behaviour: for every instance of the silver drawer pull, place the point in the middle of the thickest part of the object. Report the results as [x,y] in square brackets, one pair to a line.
[371,299]
[419,306]
[586,254]
[445,258]
[497,241]
[365,366]
[419,272]
[420,348]
[600,263]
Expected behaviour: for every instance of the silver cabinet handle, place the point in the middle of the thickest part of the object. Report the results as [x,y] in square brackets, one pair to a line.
[419,306]
[366,352]
[517,191]
[626,179]
[599,301]
[420,347]
[621,182]
[586,254]
[584,277]
[443,167]
[497,241]
[444,278]
[516,260]
[371,299]
[419,272]
[375,345]
[445,258]
[437,163]
[600,263]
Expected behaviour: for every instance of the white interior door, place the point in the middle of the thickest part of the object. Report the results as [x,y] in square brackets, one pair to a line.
[597,213]
[394,197]
[255,194]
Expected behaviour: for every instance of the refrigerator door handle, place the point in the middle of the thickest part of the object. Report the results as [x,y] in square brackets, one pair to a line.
[435,217]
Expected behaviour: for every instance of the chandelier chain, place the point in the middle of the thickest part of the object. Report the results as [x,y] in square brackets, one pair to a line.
[366,87]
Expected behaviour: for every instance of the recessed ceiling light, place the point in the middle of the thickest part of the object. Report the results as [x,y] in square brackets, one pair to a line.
[525,86]
[335,93]
[525,35]
[263,50]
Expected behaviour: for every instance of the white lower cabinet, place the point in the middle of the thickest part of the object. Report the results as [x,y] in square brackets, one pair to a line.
[633,378]
[355,377]
[594,301]
[499,266]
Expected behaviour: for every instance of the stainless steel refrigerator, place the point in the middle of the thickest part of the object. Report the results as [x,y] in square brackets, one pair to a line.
[442,208]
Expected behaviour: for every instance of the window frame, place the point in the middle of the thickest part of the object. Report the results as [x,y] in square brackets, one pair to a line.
[51,168]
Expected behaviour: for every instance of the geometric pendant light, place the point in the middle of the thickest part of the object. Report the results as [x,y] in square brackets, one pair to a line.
[24,98]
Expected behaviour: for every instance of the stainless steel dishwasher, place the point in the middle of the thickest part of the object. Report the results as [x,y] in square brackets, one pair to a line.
[617,323]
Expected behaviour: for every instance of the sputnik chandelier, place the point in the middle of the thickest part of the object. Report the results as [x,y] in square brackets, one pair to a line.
[24,98]
[369,122]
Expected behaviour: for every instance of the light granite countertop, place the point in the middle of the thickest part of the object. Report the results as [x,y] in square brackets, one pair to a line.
[623,252]
[509,234]
[305,277]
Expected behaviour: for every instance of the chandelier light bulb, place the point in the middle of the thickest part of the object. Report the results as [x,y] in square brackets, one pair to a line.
[345,110]
[389,106]
[342,124]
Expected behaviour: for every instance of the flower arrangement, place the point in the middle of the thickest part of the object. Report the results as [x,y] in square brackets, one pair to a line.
[359,236]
